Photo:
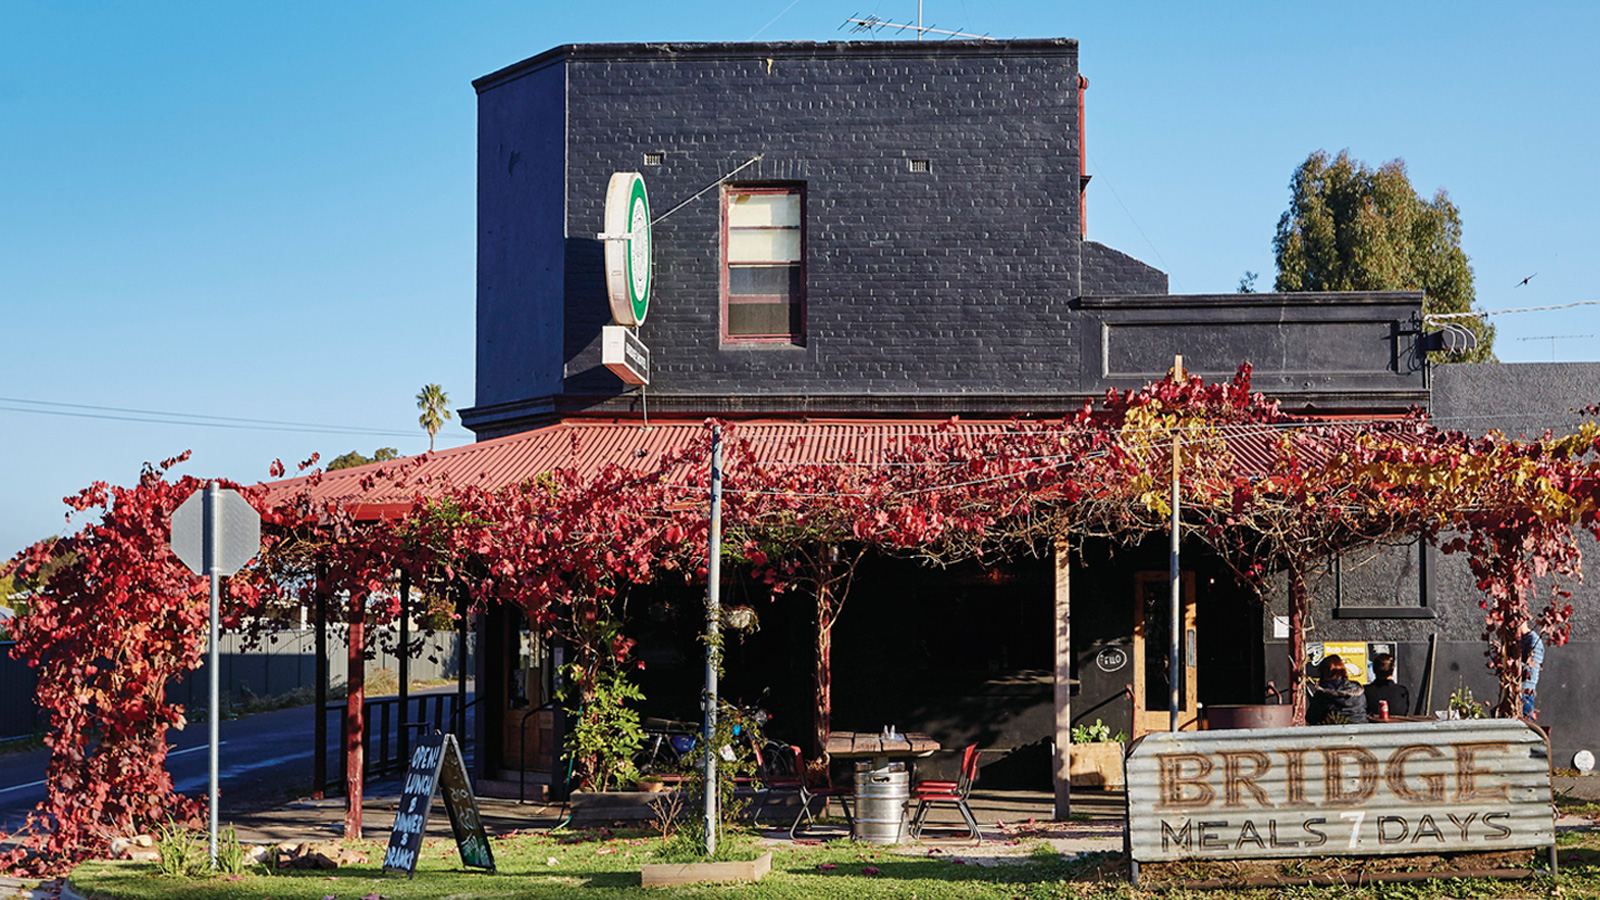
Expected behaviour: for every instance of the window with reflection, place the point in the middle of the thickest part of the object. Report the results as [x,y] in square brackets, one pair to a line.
[763,271]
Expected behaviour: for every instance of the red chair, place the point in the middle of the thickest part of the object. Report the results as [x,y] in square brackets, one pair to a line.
[955,793]
[796,784]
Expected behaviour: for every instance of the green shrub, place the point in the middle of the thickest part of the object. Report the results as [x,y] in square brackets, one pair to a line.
[1467,707]
[232,858]
[181,853]
[1098,733]
[607,733]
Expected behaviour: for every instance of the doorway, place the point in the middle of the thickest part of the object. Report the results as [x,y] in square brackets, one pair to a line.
[1151,649]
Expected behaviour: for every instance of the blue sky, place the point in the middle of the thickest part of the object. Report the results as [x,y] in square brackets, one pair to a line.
[265,211]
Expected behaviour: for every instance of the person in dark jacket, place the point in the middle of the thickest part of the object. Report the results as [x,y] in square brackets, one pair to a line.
[1335,699]
[1384,687]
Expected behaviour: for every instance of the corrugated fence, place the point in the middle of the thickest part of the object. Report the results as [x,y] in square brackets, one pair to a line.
[1348,790]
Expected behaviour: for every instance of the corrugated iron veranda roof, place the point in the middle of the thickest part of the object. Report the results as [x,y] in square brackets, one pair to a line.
[587,446]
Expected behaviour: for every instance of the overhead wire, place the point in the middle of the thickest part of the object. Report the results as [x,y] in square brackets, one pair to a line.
[162,417]
[1502,312]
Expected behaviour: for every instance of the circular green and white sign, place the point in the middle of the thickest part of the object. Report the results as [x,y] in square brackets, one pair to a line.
[627,240]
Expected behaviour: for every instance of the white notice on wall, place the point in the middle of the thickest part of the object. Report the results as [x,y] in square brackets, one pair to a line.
[1280,627]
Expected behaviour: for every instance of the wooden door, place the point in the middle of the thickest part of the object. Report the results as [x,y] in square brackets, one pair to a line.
[1151,617]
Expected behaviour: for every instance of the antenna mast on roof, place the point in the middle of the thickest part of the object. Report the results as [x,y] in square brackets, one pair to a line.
[1552,338]
[873,23]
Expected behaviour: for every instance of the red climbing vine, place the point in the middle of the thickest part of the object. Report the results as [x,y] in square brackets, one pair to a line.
[1272,493]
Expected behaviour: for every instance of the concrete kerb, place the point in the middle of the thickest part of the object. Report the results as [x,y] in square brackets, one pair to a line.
[14,889]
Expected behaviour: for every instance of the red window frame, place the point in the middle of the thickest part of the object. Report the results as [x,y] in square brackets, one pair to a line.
[796,336]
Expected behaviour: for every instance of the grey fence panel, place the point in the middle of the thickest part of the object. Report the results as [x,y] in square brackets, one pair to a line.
[288,663]
[19,715]
[273,667]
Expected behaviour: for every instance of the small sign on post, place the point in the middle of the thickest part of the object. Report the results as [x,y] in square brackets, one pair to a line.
[215,532]
[436,763]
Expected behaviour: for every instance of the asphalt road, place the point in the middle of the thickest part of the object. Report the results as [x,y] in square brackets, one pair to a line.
[265,761]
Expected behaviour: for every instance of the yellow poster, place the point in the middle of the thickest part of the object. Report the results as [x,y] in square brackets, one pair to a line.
[1354,654]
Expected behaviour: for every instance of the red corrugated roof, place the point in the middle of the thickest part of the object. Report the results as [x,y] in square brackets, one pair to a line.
[588,445]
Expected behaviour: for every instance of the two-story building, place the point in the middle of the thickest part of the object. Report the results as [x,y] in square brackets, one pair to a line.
[847,239]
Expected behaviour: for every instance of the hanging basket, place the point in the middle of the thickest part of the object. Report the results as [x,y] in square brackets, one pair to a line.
[740,618]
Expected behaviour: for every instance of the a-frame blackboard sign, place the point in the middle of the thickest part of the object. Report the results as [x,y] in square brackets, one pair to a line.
[436,763]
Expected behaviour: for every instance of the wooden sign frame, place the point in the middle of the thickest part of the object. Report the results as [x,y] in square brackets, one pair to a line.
[437,766]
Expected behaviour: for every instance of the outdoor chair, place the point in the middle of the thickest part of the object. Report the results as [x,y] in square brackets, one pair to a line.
[796,784]
[954,793]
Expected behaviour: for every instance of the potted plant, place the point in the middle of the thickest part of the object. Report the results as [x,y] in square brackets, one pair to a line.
[1095,758]
[650,784]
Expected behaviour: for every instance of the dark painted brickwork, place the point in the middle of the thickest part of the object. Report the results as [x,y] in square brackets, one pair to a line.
[962,289]
[1108,272]
[520,239]
[955,280]
[1521,399]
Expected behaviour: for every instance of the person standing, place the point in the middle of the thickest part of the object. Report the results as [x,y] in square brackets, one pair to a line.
[1385,688]
[1530,647]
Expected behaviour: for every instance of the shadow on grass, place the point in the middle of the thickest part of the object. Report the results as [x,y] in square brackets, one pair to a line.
[594,835]
[608,878]
[1017,870]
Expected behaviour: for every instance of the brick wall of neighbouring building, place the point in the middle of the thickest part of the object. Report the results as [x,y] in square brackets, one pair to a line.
[1521,400]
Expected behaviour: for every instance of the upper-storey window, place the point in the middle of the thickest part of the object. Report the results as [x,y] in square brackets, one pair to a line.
[763,271]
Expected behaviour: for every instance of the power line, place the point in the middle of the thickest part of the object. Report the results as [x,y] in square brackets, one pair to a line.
[774,19]
[162,417]
[1111,186]
[1502,312]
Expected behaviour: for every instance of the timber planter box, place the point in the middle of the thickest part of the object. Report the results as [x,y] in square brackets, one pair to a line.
[1097,765]
[671,874]
[597,808]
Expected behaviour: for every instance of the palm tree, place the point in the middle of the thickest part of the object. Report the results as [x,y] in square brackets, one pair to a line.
[435,406]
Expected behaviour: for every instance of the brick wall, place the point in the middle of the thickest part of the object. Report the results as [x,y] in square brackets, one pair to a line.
[953,281]
[965,289]
[1111,273]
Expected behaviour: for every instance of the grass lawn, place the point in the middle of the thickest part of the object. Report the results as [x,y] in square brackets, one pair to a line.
[603,864]
[593,865]
[606,865]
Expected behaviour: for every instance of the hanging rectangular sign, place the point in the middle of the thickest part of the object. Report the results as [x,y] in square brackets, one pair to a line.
[436,763]
[1343,790]
[624,354]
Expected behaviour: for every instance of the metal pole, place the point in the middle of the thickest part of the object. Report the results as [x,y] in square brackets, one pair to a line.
[460,718]
[1175,625]
[404,664]
[319,727]
[1175,619]
[213,555]
[713,626]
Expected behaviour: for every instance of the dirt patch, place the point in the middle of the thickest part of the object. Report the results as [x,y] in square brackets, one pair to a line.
[1341,868]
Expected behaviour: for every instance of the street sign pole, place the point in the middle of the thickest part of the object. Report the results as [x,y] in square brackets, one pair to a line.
[213,556]
[713,646]
[215,532]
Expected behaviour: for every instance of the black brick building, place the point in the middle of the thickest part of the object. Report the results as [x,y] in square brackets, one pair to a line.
[944,264]
[896,229]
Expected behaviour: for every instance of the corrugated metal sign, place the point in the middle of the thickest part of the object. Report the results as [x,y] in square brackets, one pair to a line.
[1344,790]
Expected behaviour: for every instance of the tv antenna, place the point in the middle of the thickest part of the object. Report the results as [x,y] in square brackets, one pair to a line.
[1552,338]
[873,23]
